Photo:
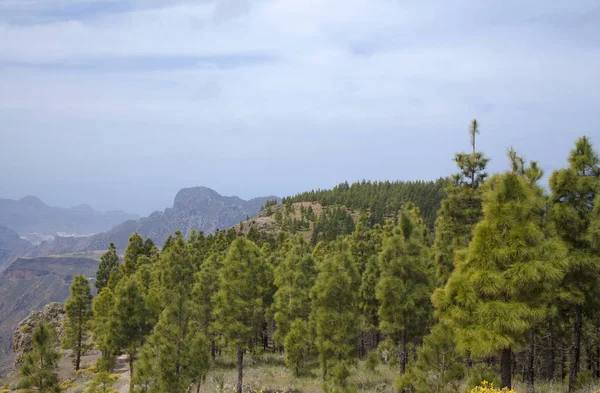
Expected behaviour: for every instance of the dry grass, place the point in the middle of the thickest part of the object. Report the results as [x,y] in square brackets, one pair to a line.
[270,372]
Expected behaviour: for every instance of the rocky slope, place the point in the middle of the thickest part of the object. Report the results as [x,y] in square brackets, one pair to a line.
[11,246]
[197,208]
[30,284]
[36,221]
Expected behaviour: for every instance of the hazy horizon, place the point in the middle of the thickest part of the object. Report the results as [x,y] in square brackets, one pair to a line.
[119,104]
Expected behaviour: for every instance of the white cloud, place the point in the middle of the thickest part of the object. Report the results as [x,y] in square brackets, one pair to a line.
[303,67]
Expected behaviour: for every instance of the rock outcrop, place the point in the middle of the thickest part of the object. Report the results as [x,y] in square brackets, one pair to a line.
[53,313]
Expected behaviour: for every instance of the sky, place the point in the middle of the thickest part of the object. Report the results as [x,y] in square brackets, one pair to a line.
[119,104]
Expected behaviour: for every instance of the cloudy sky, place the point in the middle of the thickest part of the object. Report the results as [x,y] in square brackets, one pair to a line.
[121,103]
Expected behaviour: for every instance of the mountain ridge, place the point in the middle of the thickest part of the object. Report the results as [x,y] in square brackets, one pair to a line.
[36,221]
[194,208]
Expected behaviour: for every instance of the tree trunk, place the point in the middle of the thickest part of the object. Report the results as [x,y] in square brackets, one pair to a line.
[402,353]
[78,359]
[598,350]
[598,360]
[240,367]
[551,365]
[506,366]
[576,348]
[589,356]
[131,372]
[530,362]
[213,349]
[563,364]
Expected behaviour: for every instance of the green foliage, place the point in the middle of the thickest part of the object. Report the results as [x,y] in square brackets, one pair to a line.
[298,344]
[127,320]
[176,353]
[333,222]
[460,210]
[294,277]
[403,290]
[78,309]
[495,294]
[239,302]
[205,288]
[574,190]
[38,369]
[101,328]
[335,307]
[381,199]
[372,361]
[102,382]
[136,248]
[108,262]
[438,368]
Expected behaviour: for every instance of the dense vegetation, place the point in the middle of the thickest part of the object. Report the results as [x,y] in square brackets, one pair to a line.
[505,288]
[380,199]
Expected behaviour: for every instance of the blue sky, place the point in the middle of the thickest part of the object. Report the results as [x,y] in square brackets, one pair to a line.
[119,104]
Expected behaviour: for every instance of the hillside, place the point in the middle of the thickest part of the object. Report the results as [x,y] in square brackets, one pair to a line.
[11,246]
[30,284]
[196,208]
[35,221]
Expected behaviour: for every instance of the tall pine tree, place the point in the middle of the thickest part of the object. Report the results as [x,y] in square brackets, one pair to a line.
[461,209]
[78,309]
[496,294]
[573,192]
[108,262]
[335,307]
[239,302]
[404,290]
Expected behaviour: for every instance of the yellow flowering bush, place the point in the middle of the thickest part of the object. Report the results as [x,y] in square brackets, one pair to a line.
[67,383]
[488,387]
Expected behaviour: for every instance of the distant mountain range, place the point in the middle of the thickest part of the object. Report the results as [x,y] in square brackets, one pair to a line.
[196,208]
[35,221]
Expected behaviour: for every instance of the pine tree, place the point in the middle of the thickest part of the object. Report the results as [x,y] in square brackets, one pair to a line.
[438,368]
[102,383]
[298,344]
[180,350]
[128,322]
[38,369]
[108,262]
[573,192]
[461,209]
[404,290]
[294,278]
[205,288]
[335,307]
[101,328]
[496,293]
[136,248]
[78,309]
[239,301]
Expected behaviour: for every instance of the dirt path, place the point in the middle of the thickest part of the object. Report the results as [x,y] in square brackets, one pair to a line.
[122,367]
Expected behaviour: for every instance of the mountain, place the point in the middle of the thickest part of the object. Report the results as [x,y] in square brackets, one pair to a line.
[196,208]
[35,221]
[11,246]
[30,284]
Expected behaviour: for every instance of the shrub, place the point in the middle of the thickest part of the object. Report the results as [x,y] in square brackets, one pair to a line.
[488,387]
